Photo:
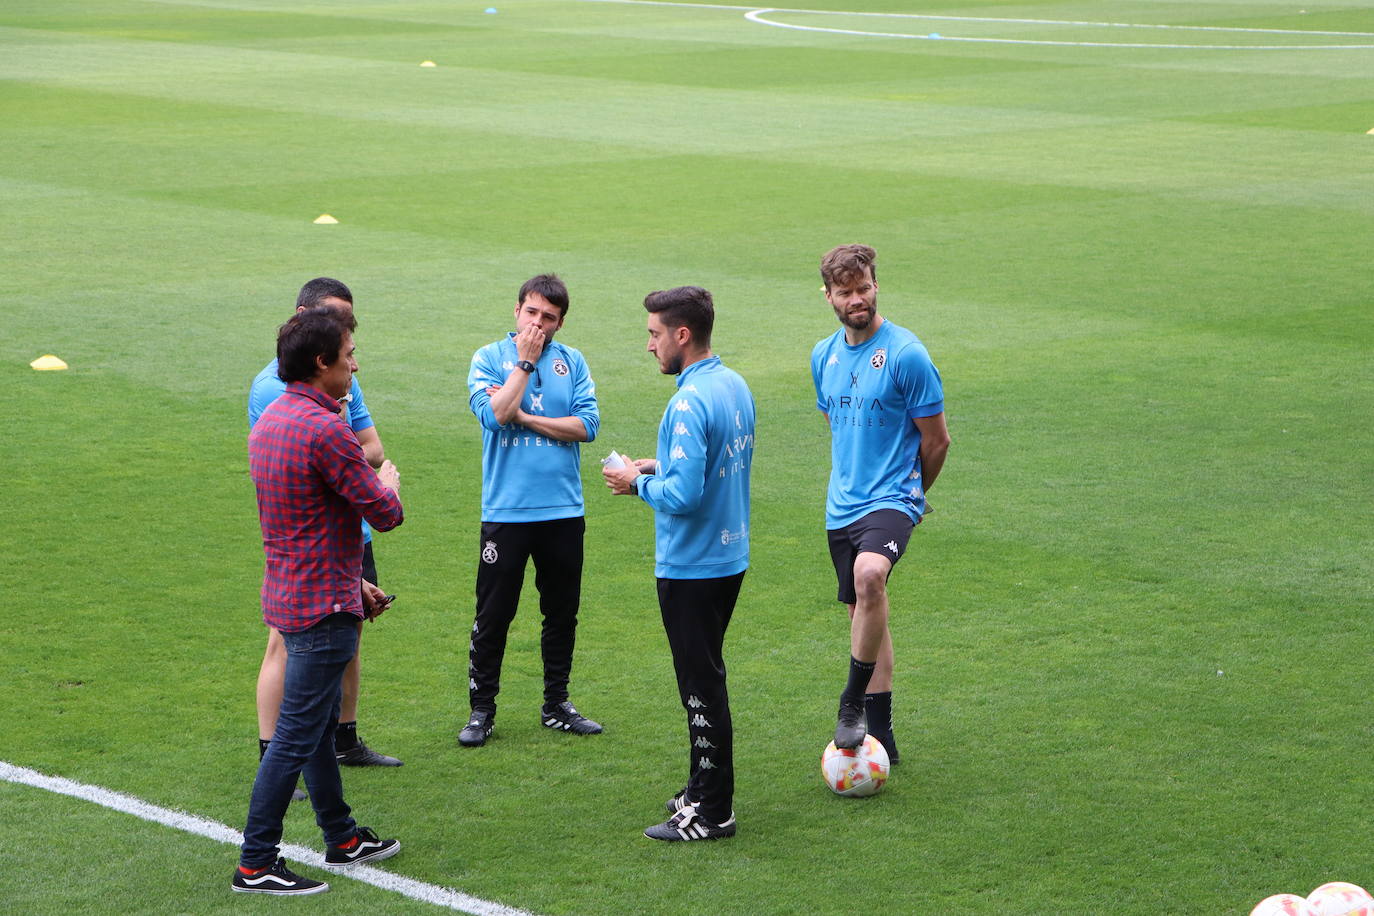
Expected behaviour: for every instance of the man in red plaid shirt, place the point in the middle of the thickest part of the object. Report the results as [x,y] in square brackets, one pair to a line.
[313,485]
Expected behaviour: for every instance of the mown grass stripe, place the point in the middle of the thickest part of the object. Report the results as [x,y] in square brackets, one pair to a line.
[189,823]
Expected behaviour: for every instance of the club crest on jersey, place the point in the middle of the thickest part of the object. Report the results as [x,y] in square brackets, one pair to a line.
[560,367]
[489,554]
[879,358]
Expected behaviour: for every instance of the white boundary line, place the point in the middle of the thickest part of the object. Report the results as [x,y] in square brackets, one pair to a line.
[409,887]
[756,15]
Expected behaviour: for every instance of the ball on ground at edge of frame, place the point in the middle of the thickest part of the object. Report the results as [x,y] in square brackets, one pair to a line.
[855,772]
[1282,905]
[1340,898]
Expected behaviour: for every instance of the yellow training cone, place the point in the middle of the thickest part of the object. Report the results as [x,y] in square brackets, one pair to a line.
[428,63]
[1370,131]
[48,361]
[324,219]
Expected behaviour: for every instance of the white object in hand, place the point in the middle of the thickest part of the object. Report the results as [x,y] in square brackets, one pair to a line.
[614,461]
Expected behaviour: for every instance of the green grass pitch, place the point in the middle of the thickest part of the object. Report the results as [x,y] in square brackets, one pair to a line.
[1132,643]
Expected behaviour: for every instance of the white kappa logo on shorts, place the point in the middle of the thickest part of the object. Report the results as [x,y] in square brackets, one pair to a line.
[892,546]
[560,367]
[879,357]
[489,552]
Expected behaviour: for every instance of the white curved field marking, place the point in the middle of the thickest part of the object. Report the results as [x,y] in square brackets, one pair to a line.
[117,801]
[757,16]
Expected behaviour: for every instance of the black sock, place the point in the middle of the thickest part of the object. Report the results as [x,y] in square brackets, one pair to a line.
[878,707]
[262,746]
[345,735]
[859,674]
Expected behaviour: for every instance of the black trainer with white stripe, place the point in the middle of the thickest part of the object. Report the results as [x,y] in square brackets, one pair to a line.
[565,717]
[275,879]
[364,847]
[688,825]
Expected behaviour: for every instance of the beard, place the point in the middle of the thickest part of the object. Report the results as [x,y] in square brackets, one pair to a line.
[672,365]
[859,321]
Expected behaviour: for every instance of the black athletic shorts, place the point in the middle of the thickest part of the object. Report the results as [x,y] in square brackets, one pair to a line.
[369,565]
[885,532]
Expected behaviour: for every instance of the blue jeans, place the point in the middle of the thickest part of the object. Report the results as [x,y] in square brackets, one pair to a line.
[304,741]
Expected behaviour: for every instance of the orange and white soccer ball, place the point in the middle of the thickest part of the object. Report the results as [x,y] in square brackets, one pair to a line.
[1340,898]
[855,772]
[1282,905]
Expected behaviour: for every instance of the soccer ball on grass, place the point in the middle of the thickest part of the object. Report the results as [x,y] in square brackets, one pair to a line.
[1340,898]
[1282,905]
[855,772]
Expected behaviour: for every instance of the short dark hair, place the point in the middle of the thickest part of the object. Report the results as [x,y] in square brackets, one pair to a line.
[321,288]
[317,331]
[550,287]
[689,306]
[847,262]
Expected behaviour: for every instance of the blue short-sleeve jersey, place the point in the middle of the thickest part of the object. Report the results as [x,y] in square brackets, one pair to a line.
[700,494]
[268,386]
[871,394]
[527,476]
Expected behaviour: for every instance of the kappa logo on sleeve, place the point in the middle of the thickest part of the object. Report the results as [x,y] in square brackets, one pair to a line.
[677,453]
[508,365]
[682,406]
[680,430]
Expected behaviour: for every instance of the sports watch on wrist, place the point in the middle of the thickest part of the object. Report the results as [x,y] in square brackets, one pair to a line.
[525,364]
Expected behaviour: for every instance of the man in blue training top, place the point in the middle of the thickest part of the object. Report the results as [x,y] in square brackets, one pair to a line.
[266,388]
[536,401]
[881,395]
[698,487]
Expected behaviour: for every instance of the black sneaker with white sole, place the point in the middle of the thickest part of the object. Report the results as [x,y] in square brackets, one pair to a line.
[275,879]
[565,717]
[478,729]
[688,825]
[364,847]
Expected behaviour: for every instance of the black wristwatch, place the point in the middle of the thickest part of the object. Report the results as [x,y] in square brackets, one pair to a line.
[525,364]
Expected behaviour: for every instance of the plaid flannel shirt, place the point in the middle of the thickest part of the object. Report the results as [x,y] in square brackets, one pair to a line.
[313,484]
